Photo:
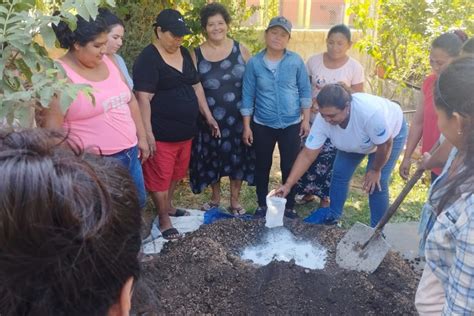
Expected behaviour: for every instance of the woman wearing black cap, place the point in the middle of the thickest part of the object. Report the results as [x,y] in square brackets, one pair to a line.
[170,96]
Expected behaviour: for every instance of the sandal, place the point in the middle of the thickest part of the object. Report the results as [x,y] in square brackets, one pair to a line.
[324,202]
[305,199]
[171,234]
[208,205]
[179,212]
[237,211]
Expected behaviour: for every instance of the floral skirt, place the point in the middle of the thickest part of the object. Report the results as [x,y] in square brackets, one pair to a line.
[317,180]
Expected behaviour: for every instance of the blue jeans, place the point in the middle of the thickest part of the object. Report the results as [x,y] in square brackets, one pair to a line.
[344,167]
[129,159]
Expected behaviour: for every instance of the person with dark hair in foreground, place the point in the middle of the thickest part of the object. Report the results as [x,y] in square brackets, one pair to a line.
[446,286]
[468,48]
[359,125]
[69,228]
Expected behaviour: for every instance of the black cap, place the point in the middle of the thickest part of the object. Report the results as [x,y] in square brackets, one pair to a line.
[171,20]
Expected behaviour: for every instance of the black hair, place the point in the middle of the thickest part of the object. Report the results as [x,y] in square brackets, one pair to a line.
[110,19]
[85,32]
[454,93]
[213,9]
[336,94]
[468,47]
[70,227]
[341,28]
[451,42]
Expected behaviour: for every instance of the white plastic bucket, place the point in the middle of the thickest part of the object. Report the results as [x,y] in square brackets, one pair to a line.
[275,211]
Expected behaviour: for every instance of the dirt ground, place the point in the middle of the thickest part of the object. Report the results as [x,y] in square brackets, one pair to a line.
[203,274]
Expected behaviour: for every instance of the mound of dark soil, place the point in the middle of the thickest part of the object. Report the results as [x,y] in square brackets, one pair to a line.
[203,274]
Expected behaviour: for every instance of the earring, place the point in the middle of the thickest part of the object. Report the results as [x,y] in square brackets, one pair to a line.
[459,132]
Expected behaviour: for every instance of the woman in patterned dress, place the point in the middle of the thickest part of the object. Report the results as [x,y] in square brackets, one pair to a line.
[221,64]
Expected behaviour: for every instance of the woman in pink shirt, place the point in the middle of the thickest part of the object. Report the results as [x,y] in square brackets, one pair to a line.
[444,49]
[111,125]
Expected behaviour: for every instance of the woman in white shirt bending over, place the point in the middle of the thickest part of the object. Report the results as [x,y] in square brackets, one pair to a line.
[332,66]
[358,125]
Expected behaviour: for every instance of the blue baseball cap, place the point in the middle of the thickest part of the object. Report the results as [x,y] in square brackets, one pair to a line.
[282,22]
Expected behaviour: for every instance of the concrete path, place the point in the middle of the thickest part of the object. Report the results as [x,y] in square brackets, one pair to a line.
[403,237]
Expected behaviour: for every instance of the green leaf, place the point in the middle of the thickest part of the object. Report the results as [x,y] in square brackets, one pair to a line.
[3,9]
[48,35]
[2,65]
[22,38]
[23,5]
[46,94]
[70,19]
[40,79]
[24,69]
[92,8]
[15,19]
[83,12]
[65,100]
[19,96]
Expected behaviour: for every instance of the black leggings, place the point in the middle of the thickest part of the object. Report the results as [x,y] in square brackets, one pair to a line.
[264,140]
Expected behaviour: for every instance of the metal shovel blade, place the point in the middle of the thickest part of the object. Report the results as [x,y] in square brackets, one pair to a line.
[351,256]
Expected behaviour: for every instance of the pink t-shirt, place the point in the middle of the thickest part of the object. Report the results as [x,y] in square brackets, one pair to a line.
[351,73]
[106,127]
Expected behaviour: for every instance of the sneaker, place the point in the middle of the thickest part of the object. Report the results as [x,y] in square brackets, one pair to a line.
[260,212]
[291,213]
[324,216]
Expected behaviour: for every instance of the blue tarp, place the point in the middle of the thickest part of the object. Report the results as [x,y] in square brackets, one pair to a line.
[215,214]
[323,215]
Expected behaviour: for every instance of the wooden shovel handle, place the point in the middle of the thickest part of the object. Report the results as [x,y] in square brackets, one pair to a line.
[393,208]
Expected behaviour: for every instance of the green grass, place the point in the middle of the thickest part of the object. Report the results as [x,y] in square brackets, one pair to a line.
[355,209]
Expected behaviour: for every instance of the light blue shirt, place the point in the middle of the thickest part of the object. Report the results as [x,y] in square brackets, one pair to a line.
[276,100]
[123,68]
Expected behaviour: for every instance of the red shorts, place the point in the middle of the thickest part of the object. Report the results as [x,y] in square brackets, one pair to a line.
[170,163]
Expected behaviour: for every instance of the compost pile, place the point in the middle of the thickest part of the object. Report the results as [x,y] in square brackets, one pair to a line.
[203,274]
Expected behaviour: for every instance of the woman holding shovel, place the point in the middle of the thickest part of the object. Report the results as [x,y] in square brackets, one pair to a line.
[358,125]
[446,286]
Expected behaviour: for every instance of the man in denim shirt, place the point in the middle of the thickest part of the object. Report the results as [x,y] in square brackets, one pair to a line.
[277,92]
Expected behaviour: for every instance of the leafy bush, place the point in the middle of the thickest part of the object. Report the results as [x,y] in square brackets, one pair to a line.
[398,33]
[30,78]
[240,29]
[139,16]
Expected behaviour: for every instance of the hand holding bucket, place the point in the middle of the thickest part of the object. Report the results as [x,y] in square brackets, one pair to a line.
[275,211]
